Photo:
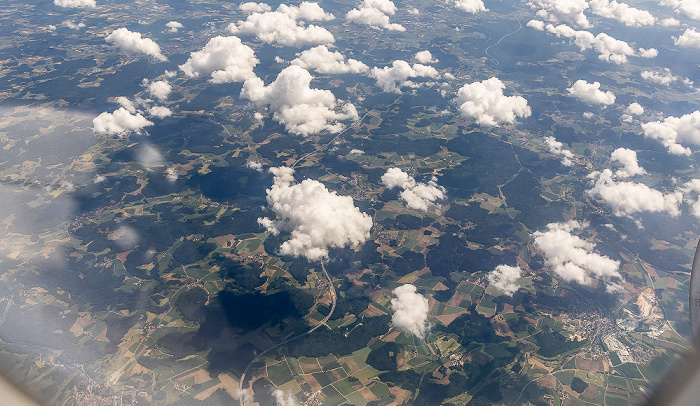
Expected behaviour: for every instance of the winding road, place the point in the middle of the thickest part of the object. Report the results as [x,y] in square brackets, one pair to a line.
[242,399]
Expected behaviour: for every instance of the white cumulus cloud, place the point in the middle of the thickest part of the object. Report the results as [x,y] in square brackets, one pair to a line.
[626,198]
[562,11]
[160,111]
[634,109]
[622,12]
[648,53]
[417,195]
[133,42]
[505,278]
[120,122]
[471,6]
[75,3]
[410,311]
[557,148]
[300,108]
[322,60]
[485,102]
[573,258]
[252,7]
[670,22]
[160,89]
[591,93]
[688,8]
[392,78]
[285,26]
[226,59]
[608,48]
[316,217]
[664,77]
[425,57]
[375,13]
[174,25]
[673,131]
[689,39]
[72,25]
[628,159]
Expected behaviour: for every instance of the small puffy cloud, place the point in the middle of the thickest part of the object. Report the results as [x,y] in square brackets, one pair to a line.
[664,77]
[254,165]
[160,111]
[622,12]
[285,26]
[413,11]
[591,93]
[693,187]
[627,198]
[425,57]
[73,26]
[471,6]
[648,53]
[562,11]
[75,3]
[160,89]
[283,398]
[251,7]
[356,151]
[125,237]
[670,22]
[689,39]
[410,311]
[51,27]
[688,8]
[608,48]
[322,60]
[417,195]
[226,59]
[316,217]
[375,13]
[120,122]
[148,155]
[573,258]
[628,159]
[673,131]
[557,148]
[392,78]
[485,102]
[133,42]
[300,108]
[174,26]
[127,104]
[505,278]
[634,109]
[536,24]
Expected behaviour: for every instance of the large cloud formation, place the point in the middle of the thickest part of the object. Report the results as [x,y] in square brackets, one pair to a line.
[226,59]
[485,102]
[608,48]
[300,108]
[572,258]
[505,278]
[285,26]
[375,13]
[75,3]
[626,198]
[622,12]
[133,42]
[557,148]
[562,11]
[673,131]
[417,195]
[120,122]
[322,60]
[471,6]
[591,93]
[392,78]
[316,217]
[410,311]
